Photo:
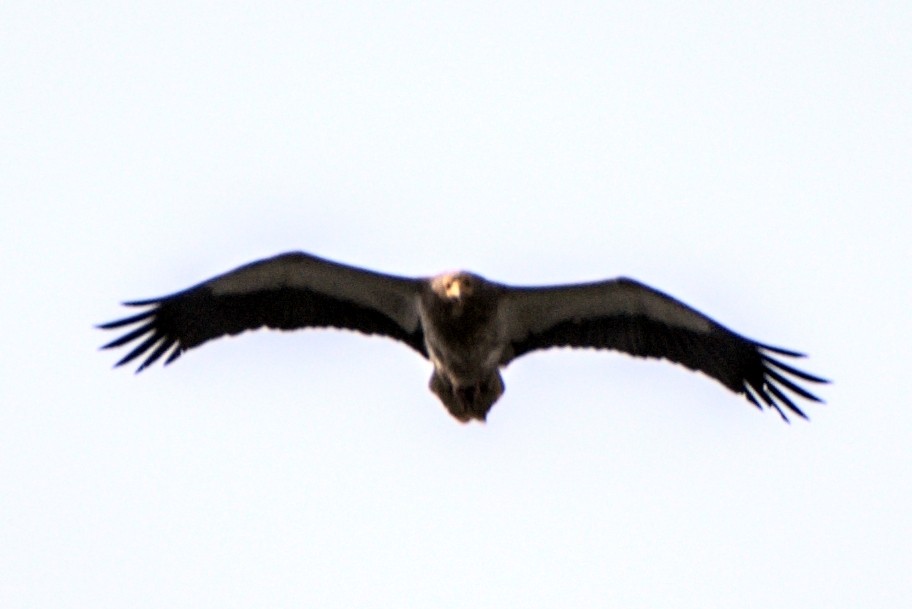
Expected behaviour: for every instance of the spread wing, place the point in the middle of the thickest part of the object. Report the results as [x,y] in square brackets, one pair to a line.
[627,316]
[287,292]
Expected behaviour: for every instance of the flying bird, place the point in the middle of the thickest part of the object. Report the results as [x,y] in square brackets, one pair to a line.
[467,326]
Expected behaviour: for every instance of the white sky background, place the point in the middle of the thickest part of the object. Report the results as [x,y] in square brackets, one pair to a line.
[753,162]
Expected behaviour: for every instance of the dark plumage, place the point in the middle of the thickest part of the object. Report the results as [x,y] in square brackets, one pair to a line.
[467,326]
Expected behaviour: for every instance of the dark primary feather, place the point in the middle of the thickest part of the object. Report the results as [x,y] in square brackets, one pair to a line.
[189,318]
[742,365]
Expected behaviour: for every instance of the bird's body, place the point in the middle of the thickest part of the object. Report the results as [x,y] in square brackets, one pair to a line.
[464,332]
[467,326]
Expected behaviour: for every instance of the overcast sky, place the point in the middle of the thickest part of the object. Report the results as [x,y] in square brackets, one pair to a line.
[751,159]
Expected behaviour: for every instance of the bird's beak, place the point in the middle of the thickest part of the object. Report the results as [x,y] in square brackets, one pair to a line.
[454,290]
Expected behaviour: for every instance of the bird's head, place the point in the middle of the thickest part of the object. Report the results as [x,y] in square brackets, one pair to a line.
[456,291]
[458,286]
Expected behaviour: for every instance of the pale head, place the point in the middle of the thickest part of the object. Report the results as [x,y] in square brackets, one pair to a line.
[456,285]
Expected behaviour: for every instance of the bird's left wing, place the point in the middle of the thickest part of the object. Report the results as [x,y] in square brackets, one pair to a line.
[289,291]
[627,316]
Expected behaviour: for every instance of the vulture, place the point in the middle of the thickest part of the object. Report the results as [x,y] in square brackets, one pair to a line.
[468,327]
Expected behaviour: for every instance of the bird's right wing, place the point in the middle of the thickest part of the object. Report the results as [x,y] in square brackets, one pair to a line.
[289,291]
